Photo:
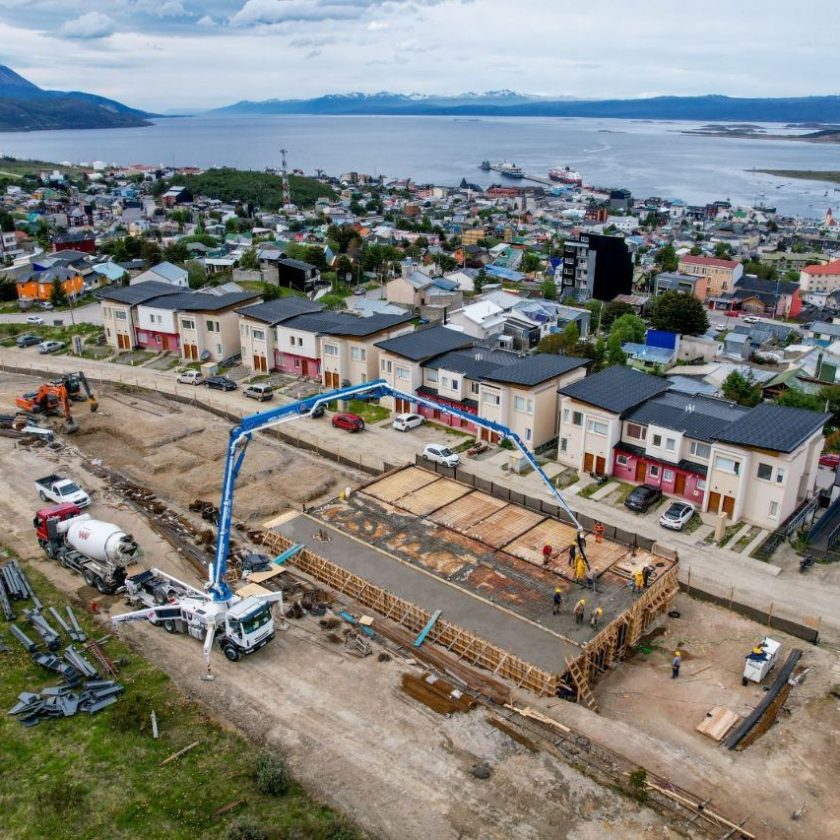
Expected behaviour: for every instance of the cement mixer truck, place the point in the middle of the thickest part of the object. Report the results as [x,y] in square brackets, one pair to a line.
[99,551]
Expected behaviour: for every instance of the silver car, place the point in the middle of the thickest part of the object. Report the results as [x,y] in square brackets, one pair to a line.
[677,516]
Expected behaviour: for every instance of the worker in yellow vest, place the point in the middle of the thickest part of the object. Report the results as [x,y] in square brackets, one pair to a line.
[580,606]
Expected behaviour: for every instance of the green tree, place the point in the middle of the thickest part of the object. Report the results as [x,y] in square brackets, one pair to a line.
[531,262]
[762,270]
[666,258]
[741,389]
[630,328]
[58,297]
[571,336]
[723,251]
[249,261]
[549,290]
[176,252]
[552,343]
[480,281]
[677,312]
[696,251]
[196,274]
[793,398]
[615,355]
[150,252]
[596,310]
[612,310]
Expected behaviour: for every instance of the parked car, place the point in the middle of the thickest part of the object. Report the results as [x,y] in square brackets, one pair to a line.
[406,422]
[51,346]
[750,319]
[642,497]
[58,489]
[259,391]
[35,319]
[27,340]
[677,516]
[720,327]
[441,454]
[351,422]
[220,383]
[359,291]
[830,460]
[190,377]
[46,305]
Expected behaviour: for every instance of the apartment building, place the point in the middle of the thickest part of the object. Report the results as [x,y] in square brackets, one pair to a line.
[752,464]
[595,266]
[258,331]
[118,305]
[820,278]
[721,275]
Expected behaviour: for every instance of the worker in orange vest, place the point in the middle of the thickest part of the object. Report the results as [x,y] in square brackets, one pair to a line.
[599,532]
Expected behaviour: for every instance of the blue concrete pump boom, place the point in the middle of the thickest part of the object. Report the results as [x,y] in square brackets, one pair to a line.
[242,434]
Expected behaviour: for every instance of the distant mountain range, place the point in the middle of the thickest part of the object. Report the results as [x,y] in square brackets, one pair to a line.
[506,103]
[26,107]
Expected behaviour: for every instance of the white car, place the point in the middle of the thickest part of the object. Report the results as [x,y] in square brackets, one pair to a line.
[35,319]
[720,327]
[750,319]
[677,516]
[190,377]
[406,422]
[441,454]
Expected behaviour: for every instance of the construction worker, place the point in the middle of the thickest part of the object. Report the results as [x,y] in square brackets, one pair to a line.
[547,551]
[580,568]
[580,606]
[647,573]
[675,664]
[599,532]
[558,600]
[638,580]
[596,616]
[572,553]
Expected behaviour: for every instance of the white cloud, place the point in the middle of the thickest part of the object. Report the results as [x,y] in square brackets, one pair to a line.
[89,26]
[268,12]
[377,26]
[206,21]
[162,8]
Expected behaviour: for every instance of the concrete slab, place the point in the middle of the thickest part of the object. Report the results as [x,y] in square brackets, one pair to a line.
[525,639]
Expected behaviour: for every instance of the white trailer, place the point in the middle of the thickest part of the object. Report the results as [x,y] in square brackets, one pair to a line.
[760,660]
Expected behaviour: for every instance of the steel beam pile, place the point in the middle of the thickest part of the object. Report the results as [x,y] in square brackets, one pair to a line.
[63,701]
[13,587]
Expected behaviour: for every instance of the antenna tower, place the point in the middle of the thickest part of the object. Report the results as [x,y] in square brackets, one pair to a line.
[287,195]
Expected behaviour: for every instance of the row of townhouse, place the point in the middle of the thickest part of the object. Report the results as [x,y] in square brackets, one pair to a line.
[753,464]
[199,326]
[448,367]
[294,335]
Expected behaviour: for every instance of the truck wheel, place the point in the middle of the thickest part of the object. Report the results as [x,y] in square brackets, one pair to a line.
[169,625]
[744,681]
[90,578]
[102,586]
[43,496]
[231,652]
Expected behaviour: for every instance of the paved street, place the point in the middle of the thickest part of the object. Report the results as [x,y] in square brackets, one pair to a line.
[807,598]
[91,313]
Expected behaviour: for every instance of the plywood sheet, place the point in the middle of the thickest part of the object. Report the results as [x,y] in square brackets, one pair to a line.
[433,496]
[392,487]
[467,510]
[718,722]
[505,525]
[529,545]
[252,589]
[262,577]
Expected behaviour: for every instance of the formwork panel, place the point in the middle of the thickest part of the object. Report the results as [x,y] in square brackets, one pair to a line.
[392,487]
[504,526]
[529,545]
[466,511]
[433,496]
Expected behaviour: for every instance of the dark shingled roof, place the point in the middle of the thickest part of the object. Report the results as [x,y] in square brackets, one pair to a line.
[423,344]
[200,302]
[472,362]
[139,293]
[274,311]
[343,323]
[775,427]
[698,417]
[531,370]
[617,389]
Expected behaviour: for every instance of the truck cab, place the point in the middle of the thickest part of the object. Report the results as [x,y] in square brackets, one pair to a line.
[56,513]
[249,626]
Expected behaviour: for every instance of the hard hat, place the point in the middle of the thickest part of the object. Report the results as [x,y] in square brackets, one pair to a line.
[558,590]
[677,653]
[582,601]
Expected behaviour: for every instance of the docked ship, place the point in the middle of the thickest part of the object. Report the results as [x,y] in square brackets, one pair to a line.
[485,165]
[566,176]
[510,170]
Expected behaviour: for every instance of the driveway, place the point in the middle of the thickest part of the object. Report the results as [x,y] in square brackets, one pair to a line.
[90,313]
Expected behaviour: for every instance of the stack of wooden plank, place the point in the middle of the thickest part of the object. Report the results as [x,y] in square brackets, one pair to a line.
[436,693]
[718,722]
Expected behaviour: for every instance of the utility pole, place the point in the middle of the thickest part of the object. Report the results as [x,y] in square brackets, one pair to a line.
[287,195]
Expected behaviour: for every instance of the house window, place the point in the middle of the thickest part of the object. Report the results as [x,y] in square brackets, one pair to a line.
[431,375]
[474,387]
[385,366]
[402,372]
[444,382]
[187,324]
[727,465]
[657,440]
[243,330]
[519,403]
[635,431]
[577,418]
[330,350]
[622,460]
[774,510]
[701,486]
[456,384]
[668,475]
[106,311]
[357,354]
[490,399]
[259,335]
[292,340]
[598,428]
[120,315]
[564,444]
[157,339]
[780,476]
[528,435]
[765,472]
[219,349]
[212,326]
[653,471]
[566,415]
[670,444]
[700,450]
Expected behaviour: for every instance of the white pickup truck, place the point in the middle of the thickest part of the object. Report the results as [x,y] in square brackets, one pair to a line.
[56,488]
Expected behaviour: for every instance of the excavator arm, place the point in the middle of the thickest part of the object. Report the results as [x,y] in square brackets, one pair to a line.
[94,405]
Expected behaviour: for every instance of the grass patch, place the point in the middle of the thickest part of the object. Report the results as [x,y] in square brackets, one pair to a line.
[728,533]
[590,489]
[98,352]
[449,431]
[100,775]
[369,412]
[624,490]
[693,524]
[746,539]
[133,358]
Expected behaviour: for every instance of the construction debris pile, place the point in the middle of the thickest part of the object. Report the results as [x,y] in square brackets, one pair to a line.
[82,688]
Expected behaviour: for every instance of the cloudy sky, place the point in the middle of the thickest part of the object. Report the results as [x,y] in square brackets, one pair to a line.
[170,54]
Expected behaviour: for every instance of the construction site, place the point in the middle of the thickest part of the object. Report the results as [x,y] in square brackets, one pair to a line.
[431,677]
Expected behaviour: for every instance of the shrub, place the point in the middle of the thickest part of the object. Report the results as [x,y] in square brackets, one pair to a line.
[246,830]
[272,775]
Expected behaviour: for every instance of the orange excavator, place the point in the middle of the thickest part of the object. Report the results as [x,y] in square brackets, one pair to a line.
[54,398]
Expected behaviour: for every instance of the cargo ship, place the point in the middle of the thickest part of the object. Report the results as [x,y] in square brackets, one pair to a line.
[566,176]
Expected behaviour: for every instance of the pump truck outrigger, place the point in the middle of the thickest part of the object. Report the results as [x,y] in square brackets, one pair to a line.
[242,626]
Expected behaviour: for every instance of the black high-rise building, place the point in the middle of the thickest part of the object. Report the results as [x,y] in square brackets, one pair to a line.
[596,266]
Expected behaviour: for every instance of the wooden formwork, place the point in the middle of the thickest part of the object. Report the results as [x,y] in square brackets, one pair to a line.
[458,641]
